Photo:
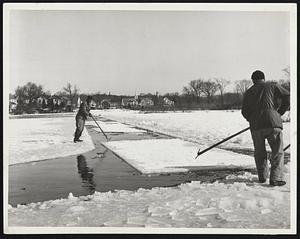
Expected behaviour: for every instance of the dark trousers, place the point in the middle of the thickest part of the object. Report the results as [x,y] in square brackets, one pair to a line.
[275,140]
[79,127]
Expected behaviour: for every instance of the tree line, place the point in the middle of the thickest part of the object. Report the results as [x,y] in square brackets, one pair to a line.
[31,98]
[201,93]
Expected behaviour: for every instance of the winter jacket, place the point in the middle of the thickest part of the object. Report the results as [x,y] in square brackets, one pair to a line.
[84,111]
[263,105]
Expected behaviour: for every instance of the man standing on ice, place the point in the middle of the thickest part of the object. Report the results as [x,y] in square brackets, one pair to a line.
[263,105]
[82,114]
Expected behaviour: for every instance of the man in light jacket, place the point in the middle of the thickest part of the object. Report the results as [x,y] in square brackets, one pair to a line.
[263,105]
[82,114]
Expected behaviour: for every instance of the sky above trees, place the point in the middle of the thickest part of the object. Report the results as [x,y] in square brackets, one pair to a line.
[128,52]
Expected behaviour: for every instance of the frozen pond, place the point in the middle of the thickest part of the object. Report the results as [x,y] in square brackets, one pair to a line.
[95,187]
[97,170]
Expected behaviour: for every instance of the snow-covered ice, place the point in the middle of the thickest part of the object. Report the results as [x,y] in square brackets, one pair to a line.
[113,127]
[34,139]
[203,127]
[237,202]
[170,155]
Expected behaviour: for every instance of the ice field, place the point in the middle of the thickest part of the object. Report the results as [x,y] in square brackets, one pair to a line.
[204,127]
[236,202]
[35,139]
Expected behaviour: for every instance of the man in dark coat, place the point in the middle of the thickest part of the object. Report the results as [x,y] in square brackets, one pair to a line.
[263,105]
[82,114]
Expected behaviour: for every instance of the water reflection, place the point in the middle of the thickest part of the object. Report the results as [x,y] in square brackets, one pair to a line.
[86,174]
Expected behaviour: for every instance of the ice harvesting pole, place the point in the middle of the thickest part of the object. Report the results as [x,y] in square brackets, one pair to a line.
[222,141]
[286,147]
[99,127]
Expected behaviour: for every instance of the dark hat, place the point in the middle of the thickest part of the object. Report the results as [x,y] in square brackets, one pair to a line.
[257,75]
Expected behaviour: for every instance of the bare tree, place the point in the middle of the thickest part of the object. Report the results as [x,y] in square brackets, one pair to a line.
[209,88]
[242,86]
[194,88]
[222,84]
[187,91]
[71,93]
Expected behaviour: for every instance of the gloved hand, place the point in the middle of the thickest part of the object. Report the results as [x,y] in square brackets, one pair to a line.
[90,115]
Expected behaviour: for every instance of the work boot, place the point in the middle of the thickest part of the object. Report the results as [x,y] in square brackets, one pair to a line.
[277,183]
[262,181]
[77,140]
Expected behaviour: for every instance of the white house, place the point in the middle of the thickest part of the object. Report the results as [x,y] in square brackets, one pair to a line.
[168,102]
[146,102]
[129,102]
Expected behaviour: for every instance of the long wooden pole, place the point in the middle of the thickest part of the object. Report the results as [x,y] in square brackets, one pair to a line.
[222,141]
[99,127]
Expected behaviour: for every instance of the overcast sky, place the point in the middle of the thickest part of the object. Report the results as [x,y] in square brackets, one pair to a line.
[124,52]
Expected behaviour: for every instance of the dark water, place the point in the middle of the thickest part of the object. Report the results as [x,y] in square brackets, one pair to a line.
[98,170]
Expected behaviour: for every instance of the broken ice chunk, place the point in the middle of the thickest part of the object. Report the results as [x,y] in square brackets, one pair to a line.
[71,224]
[137,220]
[236,218]
[263,202]
[207,211]
[248,204]
[265,211]
[161,221]
[227,203]
[209,224]
[158,211]
[178,217]
[114,222]
[44,206]
[77,209]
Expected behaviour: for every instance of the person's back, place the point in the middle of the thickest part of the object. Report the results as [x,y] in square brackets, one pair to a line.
[263,105]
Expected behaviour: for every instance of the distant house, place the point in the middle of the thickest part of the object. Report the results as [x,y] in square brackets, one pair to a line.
[59,103]
[42,101]
[146,102]
[57,100]
[114,104]
[168,102]
[12,105]
[129,102]
[69,102]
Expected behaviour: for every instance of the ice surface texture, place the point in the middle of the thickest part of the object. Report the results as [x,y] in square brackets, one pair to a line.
[170,155]
[44,138]
[237,202]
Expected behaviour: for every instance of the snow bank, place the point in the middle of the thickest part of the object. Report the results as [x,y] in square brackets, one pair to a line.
[170,155]
[44,138]
[203,127]
[237,202]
